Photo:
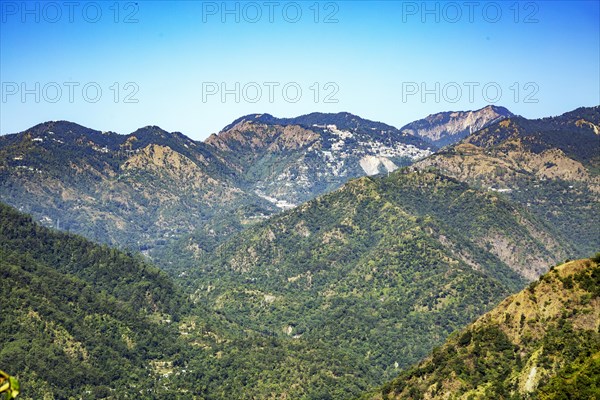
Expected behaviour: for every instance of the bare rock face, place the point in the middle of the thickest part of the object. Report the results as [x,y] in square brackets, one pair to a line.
[287,161]
[450,127]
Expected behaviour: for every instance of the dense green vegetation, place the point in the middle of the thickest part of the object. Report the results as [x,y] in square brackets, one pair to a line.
[385,268]
[543,343]
[9,386]
[372,289]
[327,300]
[81,320]
[570,206]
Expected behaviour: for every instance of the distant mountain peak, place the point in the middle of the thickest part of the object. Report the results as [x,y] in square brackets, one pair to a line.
[548,165]
[61,126]
[253,118]
[149,129]
[449,127]
[341,114]
[499,109]
[342,119]
[294,159]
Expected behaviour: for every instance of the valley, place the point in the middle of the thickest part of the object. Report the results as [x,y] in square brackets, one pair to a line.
[337,200]
[304,258]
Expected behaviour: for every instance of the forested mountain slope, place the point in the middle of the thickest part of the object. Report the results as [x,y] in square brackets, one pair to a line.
[86,321]
[541,343]
[79,319]
[324,300]
[384,268]
[135,191]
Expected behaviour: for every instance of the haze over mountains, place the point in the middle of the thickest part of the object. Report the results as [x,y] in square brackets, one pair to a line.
[301,246]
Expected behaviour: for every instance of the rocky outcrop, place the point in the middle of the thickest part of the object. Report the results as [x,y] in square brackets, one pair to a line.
[447,128]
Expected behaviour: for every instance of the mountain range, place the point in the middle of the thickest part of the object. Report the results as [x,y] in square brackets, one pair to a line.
[311,257]
[82,320]
[344,268]
[148,188]
[142,189]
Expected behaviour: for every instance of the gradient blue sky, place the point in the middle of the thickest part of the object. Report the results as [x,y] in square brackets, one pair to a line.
[374,53]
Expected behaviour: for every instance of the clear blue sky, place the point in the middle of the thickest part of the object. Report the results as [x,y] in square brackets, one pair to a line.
[375,58]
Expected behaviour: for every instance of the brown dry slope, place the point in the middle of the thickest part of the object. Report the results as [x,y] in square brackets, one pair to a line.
[550,166]
[543,342]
